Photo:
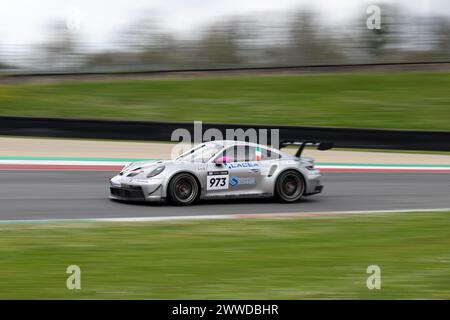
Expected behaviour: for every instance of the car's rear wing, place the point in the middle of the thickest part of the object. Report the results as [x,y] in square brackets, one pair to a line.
[303,144]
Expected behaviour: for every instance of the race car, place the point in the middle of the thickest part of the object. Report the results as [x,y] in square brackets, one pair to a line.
[222,169]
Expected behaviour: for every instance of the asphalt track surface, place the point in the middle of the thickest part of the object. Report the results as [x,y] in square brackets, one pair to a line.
[84,194]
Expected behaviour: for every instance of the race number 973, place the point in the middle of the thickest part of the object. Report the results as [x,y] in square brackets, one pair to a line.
[217,180]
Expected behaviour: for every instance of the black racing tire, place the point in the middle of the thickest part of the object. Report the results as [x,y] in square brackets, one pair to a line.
[290,186]
[183,189]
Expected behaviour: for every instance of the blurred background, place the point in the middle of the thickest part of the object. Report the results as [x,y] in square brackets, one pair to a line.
[136,35]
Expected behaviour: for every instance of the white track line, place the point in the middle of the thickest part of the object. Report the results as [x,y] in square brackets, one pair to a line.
[226,216]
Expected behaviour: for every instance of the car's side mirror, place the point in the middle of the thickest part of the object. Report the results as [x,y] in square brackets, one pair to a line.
[221,161]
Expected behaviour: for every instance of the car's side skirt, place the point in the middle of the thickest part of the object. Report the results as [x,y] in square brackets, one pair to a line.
[238,196]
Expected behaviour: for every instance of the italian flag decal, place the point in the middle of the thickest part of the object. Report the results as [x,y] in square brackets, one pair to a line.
[258,154]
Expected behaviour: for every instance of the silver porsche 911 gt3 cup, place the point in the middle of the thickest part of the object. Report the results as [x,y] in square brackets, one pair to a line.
[222,169]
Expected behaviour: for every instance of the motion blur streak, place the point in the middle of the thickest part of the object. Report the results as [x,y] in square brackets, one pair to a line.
[295,35]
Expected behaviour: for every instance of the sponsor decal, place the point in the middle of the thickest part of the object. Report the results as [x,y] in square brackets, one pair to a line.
[217,173]
[217,180]
[234,181]
[235,165]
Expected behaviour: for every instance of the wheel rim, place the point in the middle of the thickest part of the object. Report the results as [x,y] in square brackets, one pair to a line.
[185,189]
[292,186]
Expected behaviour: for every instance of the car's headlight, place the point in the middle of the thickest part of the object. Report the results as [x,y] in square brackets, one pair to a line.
[156,171]
[133,174]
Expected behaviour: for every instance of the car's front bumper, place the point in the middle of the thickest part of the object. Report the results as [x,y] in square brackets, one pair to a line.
[136,190]
[130,193]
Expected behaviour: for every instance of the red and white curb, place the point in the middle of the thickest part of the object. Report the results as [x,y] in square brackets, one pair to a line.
[84,165]
[61,165]
[228,216]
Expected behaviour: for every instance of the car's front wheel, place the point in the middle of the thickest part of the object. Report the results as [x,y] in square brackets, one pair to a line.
[289,186]
[183,189]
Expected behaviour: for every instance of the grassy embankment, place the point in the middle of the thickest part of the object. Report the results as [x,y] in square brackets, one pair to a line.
[410,100]
[320,257]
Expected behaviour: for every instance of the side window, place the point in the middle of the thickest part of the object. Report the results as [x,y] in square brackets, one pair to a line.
[250,153]
[267,154]
[240,154]
[230,154]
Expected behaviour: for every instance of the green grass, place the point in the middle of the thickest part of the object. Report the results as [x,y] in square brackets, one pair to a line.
[321,257]
[409,100]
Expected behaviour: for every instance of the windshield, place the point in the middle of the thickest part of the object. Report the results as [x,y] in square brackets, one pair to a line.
[201,153]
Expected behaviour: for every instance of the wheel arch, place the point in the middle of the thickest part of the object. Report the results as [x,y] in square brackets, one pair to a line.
[288,169]
[169,179]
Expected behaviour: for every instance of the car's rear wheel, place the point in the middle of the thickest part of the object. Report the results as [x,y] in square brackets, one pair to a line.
[183,189]
[290,186]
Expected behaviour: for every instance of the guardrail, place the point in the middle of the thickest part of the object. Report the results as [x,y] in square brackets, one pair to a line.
[23,76]
[161,131]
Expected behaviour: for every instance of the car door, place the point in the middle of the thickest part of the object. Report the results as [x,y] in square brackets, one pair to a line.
[239,176]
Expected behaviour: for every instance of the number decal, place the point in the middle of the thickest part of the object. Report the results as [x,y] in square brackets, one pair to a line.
[217,180]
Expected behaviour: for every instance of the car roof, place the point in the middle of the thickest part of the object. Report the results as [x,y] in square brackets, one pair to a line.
[229,143]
